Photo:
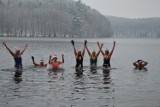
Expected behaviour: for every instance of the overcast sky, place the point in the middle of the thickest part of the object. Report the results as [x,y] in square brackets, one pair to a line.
[126,8]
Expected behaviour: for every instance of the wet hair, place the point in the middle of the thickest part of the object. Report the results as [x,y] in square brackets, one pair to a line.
[107,51]
[139,61]
[17,52]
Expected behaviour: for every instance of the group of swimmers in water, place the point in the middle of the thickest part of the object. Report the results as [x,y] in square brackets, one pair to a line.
[79,56]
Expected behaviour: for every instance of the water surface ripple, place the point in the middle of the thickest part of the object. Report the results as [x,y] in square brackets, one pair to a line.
[122,86]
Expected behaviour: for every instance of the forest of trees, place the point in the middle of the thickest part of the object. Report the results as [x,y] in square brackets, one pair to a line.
[144,27]
[51,18]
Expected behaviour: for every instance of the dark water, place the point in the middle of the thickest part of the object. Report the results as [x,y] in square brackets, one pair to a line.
[122,86]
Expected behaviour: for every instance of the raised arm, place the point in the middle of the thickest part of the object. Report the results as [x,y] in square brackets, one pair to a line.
[75,52]
[114,44]
[145,63]
[99,49]
[135,64]
[89,53]
[12,53]
[62,58]
[85,42]
[61,62]
[35,64]
[24,49]
[49,59]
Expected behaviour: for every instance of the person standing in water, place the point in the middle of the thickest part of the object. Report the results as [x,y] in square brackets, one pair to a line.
[79,55]
[41,64]
[93,55]
[140,64]
[107,56]
[18,59]
[54,62]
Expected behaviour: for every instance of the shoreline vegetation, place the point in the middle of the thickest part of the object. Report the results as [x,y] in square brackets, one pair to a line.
[52,18]
[69,19]
[76,37]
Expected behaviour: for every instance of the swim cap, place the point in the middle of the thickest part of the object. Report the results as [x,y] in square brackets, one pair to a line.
[41,60]
[54,56]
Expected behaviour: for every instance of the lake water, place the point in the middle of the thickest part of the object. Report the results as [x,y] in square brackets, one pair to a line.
[121,87]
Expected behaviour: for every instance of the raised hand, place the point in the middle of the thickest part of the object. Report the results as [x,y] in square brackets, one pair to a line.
[62,58]
[85,42]
[72,41]
[12,53]
[32,58]
[4,44]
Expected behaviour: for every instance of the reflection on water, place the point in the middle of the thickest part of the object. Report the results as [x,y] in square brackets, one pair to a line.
[79,72]
[93,70]
[18,80]
[106,76]
[120,86]
[144,69]
[56,74]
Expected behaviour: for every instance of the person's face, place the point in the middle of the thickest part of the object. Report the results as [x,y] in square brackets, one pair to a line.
[41,63]
[54,59]
[79,53]
[93,53]
[107,52]
[17,52]
[140,63]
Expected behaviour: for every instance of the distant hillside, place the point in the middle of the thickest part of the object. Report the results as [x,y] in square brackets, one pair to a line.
[145,27]
[51,18]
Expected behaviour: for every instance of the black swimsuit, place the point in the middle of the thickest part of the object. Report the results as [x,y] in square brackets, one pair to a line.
[79,62]
[106,62]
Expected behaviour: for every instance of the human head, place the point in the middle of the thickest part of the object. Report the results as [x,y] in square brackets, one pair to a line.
[140,62]
[41,62]
[17,52]
[93,53]
[79,53]
[54,57]
[107,51]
